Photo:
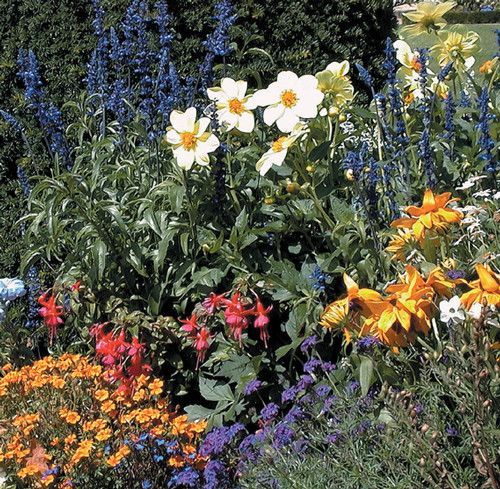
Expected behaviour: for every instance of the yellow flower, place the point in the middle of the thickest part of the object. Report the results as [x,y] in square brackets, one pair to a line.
[104,434]
[346,312]
[402,244]
[334,82]
[432,215]
[427,17]
[115,459]
[457,48]
[485,288]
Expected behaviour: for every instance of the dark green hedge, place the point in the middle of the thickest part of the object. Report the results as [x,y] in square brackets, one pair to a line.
[476,17]
[301,35]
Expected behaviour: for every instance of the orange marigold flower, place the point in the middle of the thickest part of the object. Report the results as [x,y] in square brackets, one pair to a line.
[115,459]
[70,439]
[485,288]
[176,461]
[434,214]
[108,406]
[101,395]
[29,471]
[156,387]
[104,434]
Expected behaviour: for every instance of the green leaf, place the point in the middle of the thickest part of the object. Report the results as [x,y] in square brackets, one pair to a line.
[213,390]
[366,376]
[320,152]
[196,412]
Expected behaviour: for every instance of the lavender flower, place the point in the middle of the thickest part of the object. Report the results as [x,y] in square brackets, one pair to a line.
[455,274]
[365,76]
[283,435]
[97,68]
[217,439]
[48,115]
[187,477]
[215,475]
[449,124]
[308,343]
[269,412]
[289,394]
[334,438]
[451,431]
[217,43]
[252,387]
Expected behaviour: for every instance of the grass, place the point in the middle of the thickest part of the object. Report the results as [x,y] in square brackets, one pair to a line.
[486,31]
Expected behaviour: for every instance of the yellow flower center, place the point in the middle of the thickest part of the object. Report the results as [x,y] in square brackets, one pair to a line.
[288,98]
[236,107]
[188,140]
[278,144]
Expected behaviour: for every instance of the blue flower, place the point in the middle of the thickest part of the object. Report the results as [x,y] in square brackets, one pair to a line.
[269,412]
[368,343]
[311,365]
[187,477]
[215,475]
[146,484]
[486,142]
[308,343]
[365,76]
[318,278]
[218,439]
[283,435]
[252,386]
[289,394]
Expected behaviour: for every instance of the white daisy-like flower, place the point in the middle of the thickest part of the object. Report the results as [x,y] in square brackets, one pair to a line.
[452,311]
[277,153]
[234,106]
[289,99]
[190,140]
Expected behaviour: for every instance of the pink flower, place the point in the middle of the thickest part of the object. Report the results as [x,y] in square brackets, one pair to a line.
[213,302]
[236,315]
[190,326]
[262,320]
[201,344]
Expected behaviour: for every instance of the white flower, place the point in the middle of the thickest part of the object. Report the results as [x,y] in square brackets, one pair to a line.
[189,138]
[451,311]
[233,105]
[471,182]
[410,69]
[288,99]
[476,310]
[279,149]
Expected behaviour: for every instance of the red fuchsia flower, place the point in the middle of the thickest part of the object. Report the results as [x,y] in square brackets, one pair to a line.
[51,314]
[236,315]
[137,366]
[213,302]
[262,320]
[201,343]
[190,325]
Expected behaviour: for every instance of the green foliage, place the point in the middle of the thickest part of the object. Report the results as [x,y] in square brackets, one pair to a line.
[474,17]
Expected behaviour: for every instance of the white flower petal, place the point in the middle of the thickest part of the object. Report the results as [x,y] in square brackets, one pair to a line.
[185,158]
[242,88]
[287,121]
[287,79]
[210,145]
[173,137]
[203,123]
[272,113]
[246,122]
[230,87]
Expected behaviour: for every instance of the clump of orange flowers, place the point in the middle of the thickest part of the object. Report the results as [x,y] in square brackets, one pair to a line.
[396,317]
[69,419]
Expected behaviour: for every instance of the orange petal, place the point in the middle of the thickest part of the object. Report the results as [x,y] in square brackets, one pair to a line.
[488,281]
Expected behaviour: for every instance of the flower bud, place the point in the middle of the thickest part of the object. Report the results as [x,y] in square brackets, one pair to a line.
[333,111]
[310,168]
[349,175]
[292,187]
[342,118]
[270,200]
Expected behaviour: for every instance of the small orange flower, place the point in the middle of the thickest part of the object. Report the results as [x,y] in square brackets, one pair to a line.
[108,406]
[115,459]
[101,395]
[103,435]
[156,387]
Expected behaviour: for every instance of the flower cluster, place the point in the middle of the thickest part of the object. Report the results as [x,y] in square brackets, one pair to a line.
[394,318]
[69,422]
[123,360]
[236,313]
